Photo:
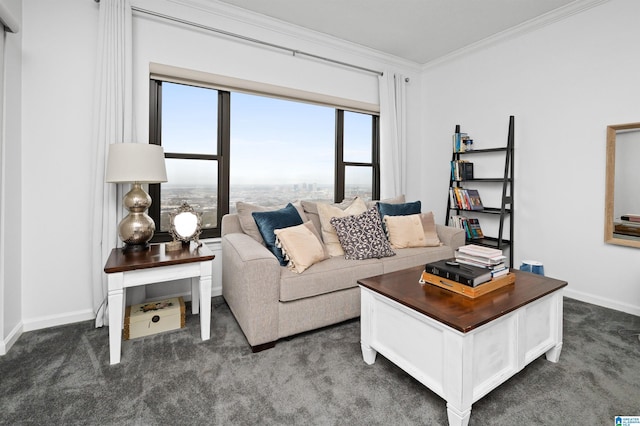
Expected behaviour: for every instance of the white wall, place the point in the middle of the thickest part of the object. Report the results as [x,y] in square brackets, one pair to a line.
[11,243]
[564,83]
[59,40]
[59,57]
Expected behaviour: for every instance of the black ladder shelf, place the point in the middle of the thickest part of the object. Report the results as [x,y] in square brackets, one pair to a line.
[505,211]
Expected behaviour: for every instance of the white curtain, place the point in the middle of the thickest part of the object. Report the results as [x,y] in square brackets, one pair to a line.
[112,123]
[393,160]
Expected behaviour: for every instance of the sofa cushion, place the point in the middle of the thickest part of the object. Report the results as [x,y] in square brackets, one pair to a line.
[269,221]
[301,246]
[333,274]
[416,230]
[361,236]
[248,223]
[327,212]
[410,257]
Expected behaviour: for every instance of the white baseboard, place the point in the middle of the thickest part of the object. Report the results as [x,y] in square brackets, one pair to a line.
[602,301]
[60,319]
[11,338]
[85,315]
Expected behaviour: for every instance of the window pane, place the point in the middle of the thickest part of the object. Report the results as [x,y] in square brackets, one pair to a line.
[189,119]
[357,182]
[281,151]
[357,137]
[194,182]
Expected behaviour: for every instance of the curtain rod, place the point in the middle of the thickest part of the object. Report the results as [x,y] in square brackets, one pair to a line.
[294,52]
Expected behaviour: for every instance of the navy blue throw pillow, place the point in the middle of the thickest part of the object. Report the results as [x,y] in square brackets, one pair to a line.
[402,209]
[270,221]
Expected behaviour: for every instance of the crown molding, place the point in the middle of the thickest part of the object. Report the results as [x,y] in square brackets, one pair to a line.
[531,25]
[205,10]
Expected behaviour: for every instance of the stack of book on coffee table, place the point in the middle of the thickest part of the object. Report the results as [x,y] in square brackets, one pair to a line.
[484,257]
[475,270]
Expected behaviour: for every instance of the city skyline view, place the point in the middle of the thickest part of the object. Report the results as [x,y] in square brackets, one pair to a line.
[280,150]
[203,198]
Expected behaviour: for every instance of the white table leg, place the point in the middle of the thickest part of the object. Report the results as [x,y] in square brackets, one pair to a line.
[116,312]
[553,354]
[368,353]
[457,417]
[205,304]
[195,295]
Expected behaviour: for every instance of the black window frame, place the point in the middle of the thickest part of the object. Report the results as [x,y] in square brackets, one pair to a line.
[223,156]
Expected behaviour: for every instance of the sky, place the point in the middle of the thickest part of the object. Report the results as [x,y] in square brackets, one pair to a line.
[273,141]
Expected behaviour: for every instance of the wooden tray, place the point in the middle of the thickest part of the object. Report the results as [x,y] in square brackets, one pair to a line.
[466,290]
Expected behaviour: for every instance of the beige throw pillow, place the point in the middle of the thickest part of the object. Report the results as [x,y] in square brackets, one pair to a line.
[301,245]
[416,230]
[430,234]
[326,212]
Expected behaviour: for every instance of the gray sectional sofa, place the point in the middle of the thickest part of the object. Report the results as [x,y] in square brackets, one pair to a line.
[270,301]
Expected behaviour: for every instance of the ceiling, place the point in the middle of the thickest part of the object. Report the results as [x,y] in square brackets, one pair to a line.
[416,30]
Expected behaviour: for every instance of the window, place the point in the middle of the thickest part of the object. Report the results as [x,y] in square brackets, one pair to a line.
[222,147]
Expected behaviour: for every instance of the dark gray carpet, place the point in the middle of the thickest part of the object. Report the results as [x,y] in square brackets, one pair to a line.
[62,376]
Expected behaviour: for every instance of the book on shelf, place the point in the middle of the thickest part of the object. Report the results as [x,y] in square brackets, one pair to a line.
[461,170]
[458,197]
[465,274]
[632,230]
[471,226]
[630,218]
[459,140]
[465,199]
[475,231]
[474,199]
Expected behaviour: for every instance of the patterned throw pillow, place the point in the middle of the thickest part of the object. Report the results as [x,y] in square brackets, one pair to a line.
[361,236]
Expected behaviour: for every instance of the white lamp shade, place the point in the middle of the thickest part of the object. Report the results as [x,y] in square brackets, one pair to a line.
[136,162]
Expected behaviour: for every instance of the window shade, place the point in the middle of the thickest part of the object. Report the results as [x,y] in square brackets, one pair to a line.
[220,82]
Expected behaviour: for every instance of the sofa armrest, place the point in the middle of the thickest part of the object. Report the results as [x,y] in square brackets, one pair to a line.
[251,286]
[230,224]
[450,236]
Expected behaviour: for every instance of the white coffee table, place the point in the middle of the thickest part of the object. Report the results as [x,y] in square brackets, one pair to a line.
[458,347]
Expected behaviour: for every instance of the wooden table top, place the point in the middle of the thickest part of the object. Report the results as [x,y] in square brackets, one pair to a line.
[155,256]
[455,310]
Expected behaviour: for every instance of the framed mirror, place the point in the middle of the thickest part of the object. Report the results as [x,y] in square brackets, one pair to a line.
[186,224]
[622,197]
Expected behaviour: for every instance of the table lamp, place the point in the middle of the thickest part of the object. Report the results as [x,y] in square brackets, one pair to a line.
[136,163]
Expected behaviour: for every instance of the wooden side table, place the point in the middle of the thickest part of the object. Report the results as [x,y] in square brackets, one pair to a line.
[153,266]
